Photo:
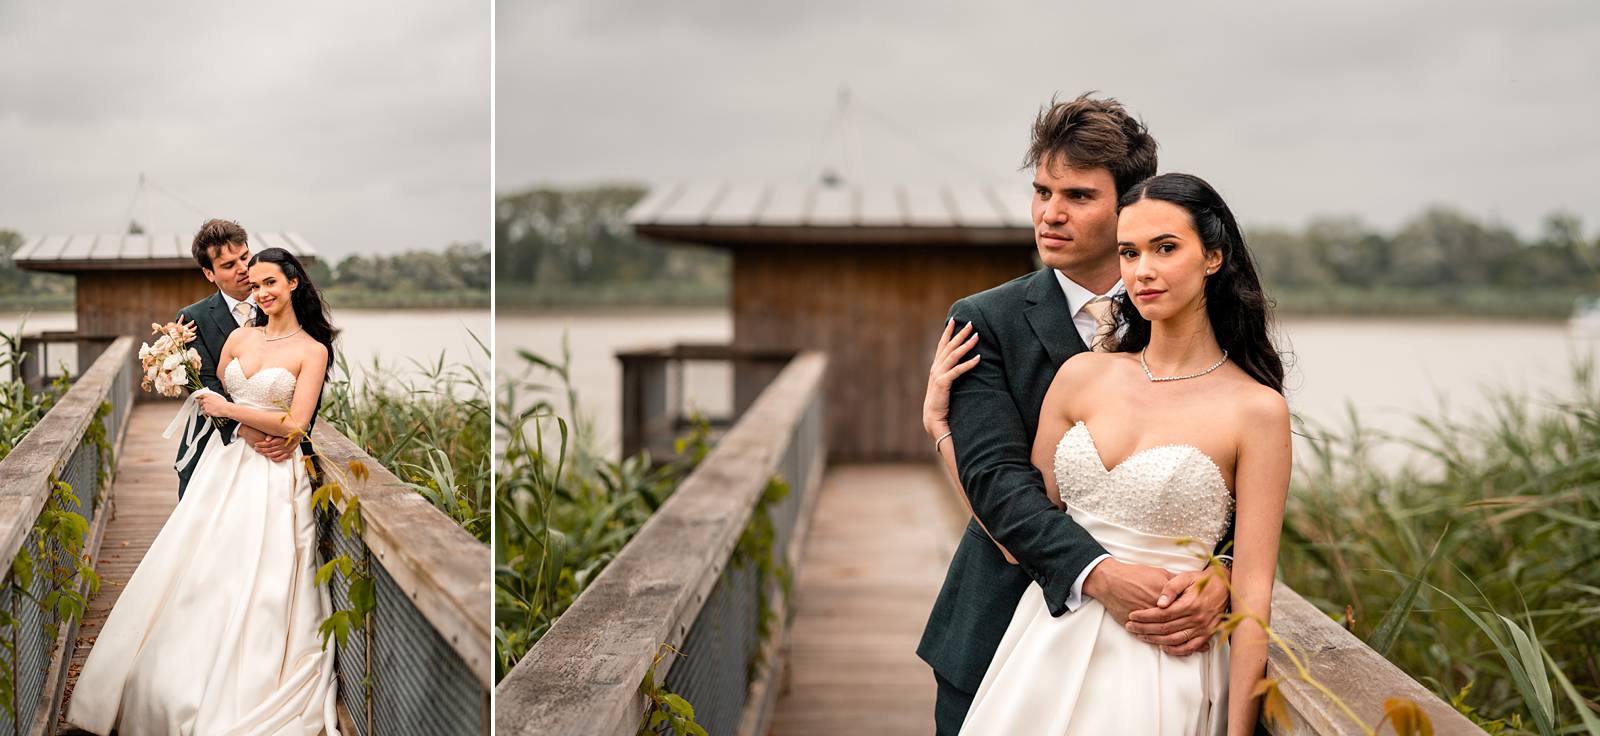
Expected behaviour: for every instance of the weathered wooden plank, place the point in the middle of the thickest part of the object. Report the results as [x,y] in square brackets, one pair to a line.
[144,458]
[1347,666]
[851,661]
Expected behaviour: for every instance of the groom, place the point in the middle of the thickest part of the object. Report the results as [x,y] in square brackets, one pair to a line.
[223,251]
[1085,153]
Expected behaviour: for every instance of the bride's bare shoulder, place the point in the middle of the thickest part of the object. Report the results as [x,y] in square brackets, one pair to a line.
[242,336]
[1087,367]
[1261,406]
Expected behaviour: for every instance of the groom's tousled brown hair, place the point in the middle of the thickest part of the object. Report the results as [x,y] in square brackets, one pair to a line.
[1091,133]
[215,234]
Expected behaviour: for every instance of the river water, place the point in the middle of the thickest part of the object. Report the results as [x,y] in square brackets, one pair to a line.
[1389,371]
[394,337]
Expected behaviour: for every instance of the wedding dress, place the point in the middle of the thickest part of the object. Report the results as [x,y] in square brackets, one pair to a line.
[1082,673]
[216,631]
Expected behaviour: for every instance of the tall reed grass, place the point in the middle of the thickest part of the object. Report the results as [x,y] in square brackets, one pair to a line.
[1476,570]
[563,510]
[428,425]
[21,407]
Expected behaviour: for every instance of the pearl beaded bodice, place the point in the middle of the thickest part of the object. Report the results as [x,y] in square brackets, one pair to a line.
[1167,490]
[269,388]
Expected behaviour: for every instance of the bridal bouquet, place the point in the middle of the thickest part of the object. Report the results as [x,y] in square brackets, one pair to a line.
[170,365]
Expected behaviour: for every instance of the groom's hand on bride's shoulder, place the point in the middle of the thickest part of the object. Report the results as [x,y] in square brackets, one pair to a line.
[1185,615]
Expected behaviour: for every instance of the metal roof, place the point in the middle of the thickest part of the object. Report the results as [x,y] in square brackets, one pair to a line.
[134,252]
[732,214]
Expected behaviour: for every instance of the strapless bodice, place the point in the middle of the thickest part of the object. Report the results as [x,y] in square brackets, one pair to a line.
[1164,491]
[270,388]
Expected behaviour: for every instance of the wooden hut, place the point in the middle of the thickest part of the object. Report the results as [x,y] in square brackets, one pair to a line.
[866,274]
[124,283]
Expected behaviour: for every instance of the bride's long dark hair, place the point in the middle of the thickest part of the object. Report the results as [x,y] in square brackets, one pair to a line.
[1239,310]
[306,300]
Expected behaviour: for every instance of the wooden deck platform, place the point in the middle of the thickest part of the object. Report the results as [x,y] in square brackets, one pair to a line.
[142,497]
[881,537]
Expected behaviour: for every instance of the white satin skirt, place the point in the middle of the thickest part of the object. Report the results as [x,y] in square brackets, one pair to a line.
[216,631]
[1082,673]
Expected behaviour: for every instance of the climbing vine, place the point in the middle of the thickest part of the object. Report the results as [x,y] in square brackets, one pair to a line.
[757,548]
[362,592]
[61,528]
[666,707]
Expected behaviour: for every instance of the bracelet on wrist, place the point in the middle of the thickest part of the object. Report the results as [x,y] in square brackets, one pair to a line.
[940,441]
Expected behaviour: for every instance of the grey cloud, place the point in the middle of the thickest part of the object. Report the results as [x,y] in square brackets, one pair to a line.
[1292,109]
[363,126]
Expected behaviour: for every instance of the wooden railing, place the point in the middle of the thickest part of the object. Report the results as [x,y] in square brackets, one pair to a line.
[1349,668]
[58,448]
[655,409]
[674,584]
[422,664]
[44,358]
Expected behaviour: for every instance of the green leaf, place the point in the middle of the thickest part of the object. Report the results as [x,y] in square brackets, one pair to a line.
[363,598]
[1388,631]
[678,705]
[325,573]
[1534,665]
[1590,722]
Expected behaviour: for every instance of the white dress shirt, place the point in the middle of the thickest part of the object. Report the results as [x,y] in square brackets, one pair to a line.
[1083,320]
[233,305]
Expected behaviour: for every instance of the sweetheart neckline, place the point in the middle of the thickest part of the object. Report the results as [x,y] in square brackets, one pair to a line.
[263,369]
[1101,461]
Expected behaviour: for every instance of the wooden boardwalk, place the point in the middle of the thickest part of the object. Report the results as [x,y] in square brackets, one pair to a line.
[881,536]
[143,495]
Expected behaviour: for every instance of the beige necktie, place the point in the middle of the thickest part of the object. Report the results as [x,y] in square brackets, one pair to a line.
[1100,307]
[242,313]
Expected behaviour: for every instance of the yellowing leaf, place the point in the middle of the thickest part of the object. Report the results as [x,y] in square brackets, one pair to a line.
[1408,717]
[1274,708]
[358,469]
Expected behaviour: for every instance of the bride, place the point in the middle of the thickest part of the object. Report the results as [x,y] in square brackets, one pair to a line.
[216,631]
[1155,448]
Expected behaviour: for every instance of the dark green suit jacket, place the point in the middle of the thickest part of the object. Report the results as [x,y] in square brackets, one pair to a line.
[213,323]
[1025,333]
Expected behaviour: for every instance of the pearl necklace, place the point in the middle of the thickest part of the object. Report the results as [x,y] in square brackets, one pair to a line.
[1152,376]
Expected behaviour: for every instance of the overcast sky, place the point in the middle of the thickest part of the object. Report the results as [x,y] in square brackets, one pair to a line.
[1291,109]
[364,125]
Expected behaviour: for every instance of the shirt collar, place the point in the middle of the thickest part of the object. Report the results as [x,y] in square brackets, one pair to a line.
[1077,296]
[234,303]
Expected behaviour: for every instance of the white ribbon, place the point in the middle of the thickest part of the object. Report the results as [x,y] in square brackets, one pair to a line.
[196,428]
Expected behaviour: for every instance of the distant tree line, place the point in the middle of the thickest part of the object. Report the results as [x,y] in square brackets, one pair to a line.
[573,246]
[555,246]
[462,266]
[1441,248]
[15,281]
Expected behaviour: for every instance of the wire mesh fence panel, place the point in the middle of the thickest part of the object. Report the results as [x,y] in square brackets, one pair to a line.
[350,663]
[421,686]
[418,683]
[713,671]
[34,645]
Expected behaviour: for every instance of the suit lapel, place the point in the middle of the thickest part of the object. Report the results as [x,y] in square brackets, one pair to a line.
[222,319]
[1048,316]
